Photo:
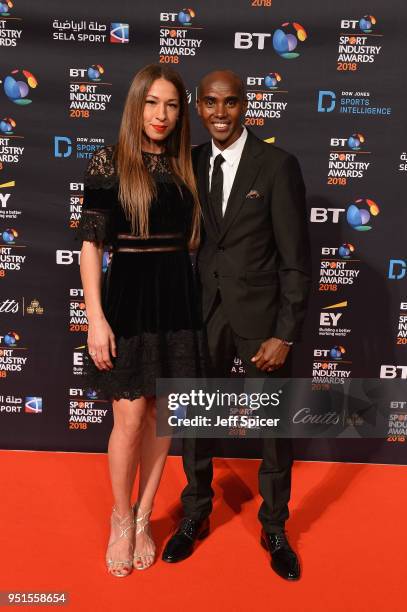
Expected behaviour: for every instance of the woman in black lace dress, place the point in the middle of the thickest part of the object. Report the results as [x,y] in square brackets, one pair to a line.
[140,200]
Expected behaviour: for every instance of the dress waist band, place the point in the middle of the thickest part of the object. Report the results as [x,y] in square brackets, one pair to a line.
[155,243]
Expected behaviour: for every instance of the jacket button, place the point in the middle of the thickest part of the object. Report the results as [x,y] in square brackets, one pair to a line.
[216,275]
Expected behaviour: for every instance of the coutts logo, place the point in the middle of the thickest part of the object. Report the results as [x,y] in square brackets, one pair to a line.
[305,416]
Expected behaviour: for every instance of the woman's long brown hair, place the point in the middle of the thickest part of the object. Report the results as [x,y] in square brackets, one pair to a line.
[136,187]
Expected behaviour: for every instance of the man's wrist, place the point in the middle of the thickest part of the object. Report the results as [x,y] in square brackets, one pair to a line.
[287,342]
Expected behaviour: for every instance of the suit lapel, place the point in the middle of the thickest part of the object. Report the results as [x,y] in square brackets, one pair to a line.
[249,166]
[203,175]
[203,187]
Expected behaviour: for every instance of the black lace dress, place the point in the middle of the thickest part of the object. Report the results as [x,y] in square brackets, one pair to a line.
[149,295]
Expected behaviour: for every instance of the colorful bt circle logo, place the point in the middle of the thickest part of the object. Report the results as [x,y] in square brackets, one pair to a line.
[17,86]
[106,260]
[336,352]
[286,39]
[9,236]
[91,394]
[355,141]
[186,16]
[346,250]
[7,126]
[367,22]
[272,80]
[11,338]
[5,7]
[95,72]
[360,212]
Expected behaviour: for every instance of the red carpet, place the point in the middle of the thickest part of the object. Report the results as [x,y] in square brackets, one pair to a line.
[347,524]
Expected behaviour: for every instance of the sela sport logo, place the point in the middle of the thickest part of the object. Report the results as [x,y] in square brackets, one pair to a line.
[119,33]
[33,405]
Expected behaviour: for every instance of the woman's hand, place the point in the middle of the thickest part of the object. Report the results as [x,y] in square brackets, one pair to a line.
[101,344]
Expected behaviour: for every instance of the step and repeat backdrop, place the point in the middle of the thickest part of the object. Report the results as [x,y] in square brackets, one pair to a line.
[326,81]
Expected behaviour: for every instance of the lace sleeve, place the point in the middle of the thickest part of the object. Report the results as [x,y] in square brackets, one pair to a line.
[101,173]
[98,198]
[94,226]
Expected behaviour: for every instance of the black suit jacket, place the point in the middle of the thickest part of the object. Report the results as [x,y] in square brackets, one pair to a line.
[258,257]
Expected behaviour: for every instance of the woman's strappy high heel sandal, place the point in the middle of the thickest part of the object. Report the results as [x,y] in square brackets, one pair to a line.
[142,561]
[125,524]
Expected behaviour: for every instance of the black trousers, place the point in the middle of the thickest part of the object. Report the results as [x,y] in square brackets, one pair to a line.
[275,468]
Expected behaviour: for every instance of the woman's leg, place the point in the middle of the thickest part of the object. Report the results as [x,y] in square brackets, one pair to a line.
[124,453]
[153,453]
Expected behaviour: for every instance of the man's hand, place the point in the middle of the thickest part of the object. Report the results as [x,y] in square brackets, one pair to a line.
[271,355]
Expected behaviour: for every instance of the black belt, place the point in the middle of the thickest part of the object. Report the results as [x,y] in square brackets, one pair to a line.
[155,243]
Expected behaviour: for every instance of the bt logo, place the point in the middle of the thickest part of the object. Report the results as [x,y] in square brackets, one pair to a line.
[66,258]
[285,39]
[354,142]
[94,72]
[322,215]
[5,6]
[17,86]
[393,371]
[184,17]
[7,126]
[365,24]
[344,251]
[89,393]
[244,40]
[9,236]
[76,186]
[335,353]
[10,339]
[270,81]
[360,212]
[76,292]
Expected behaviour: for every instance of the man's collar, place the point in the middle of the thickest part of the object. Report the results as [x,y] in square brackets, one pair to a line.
[232,153]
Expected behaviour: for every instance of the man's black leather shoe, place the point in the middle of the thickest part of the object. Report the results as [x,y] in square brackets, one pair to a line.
[283,559]
[181,544]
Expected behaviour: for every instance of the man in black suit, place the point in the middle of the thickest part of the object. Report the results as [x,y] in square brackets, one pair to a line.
[253,265]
